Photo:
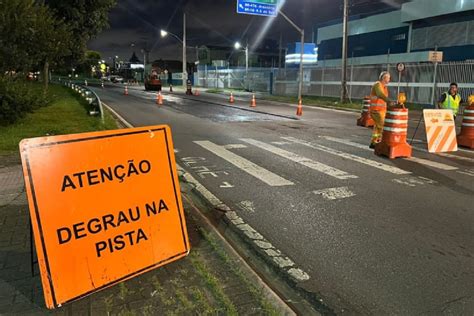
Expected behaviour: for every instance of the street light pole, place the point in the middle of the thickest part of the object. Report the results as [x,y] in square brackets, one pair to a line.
[185,77]
[344,52]
[300,86]
[247,65]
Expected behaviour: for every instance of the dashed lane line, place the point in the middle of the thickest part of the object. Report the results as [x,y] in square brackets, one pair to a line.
[251,168]
[315,165]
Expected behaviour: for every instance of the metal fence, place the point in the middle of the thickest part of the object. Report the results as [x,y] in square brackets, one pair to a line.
[417,81]
[257,79]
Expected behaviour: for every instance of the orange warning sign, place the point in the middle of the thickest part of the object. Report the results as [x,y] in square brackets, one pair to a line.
[440,130]
[104,207]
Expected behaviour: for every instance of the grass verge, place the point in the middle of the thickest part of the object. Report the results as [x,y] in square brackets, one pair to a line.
[66,114]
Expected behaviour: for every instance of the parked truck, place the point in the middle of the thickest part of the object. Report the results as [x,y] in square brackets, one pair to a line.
[153,80]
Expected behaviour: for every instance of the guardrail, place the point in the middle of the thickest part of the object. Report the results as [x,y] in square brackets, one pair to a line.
[90,96]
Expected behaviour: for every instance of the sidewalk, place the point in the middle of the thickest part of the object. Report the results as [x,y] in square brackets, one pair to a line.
[211,280]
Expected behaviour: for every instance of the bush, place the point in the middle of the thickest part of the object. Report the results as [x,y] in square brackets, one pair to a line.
[18,97]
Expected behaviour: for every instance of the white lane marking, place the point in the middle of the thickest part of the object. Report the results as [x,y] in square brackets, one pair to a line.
[456,157]
[333,172]
[226,184]
[414,181]
[235,146]
[347,142]
[362,160]
[280,143]
[467,172]
[430,163]
[335,193]
[254,170]
[421,161]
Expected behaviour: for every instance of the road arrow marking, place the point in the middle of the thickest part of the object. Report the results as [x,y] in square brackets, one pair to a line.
[226,184]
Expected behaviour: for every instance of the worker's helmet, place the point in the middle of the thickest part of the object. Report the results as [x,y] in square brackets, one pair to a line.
[383,74]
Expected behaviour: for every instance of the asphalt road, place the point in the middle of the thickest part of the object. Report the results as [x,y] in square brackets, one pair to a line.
[376,236]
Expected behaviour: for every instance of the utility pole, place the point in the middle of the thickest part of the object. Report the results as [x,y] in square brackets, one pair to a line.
[301,31]
[279,51]
[185,77]
[344,51]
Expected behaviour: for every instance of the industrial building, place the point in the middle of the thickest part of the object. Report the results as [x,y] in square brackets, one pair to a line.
[403,35]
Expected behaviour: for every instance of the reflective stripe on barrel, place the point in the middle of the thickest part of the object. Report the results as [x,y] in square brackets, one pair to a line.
[396,122]
[468,119]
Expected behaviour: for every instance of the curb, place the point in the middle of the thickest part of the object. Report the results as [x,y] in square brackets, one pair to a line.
[247,230]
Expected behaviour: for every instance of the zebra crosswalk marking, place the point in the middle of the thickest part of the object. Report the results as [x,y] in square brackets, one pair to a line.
[318,166]
[421,161]
[251,168]
[362,160]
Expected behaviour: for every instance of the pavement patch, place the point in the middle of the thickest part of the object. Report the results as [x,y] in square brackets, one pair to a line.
[335,193]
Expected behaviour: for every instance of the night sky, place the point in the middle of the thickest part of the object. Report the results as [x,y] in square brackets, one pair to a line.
[136,24]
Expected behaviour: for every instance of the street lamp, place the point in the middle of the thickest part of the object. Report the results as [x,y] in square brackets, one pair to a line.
[164,33]
[238,46]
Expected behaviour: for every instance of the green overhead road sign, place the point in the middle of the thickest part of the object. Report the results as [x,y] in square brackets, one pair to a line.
[258,7]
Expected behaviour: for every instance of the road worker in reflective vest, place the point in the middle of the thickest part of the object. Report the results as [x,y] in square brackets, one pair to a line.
[450,100]
[378,106]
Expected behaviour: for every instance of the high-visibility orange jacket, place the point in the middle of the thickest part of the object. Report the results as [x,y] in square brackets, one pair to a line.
[379,97]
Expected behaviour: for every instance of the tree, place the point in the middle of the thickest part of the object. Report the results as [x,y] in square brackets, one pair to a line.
[85,18]
[91,58]
[53,40]
[16,32]
[31,37]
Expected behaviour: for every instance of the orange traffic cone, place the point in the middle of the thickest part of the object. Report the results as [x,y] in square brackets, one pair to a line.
[171,88]
[231,99]
[466,137]
[196,92]
[125,91]
[394,137]
[365,119]
[299,109]
[253,103]
[159,98]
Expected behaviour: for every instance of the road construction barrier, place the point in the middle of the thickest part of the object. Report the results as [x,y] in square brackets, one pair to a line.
[365,119]
[466,137]
[125,90]
[253,103]
[189,87]
[299,109]
[231,98]
[159,98]
[394,135]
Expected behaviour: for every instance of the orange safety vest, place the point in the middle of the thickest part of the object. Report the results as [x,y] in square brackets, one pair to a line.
[376,103]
